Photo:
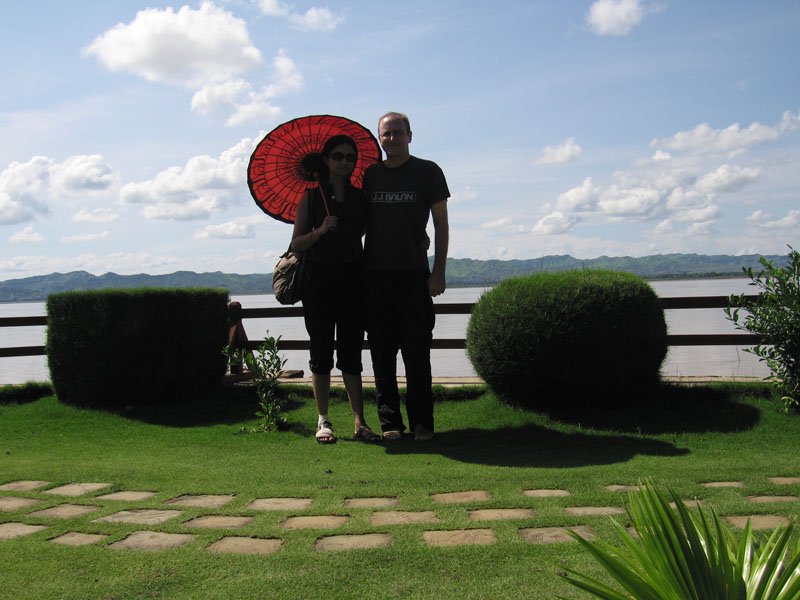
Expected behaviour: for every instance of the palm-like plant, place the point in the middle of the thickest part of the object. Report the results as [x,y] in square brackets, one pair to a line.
[678,554]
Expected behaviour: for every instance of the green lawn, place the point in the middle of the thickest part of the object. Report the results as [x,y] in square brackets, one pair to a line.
[681,437]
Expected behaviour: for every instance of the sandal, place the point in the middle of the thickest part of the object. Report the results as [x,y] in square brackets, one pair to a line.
[365,434]
[325,433]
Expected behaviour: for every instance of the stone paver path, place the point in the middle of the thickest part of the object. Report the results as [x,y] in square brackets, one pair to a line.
[152,540]
[77,489]
[245,545]
[65,511]
[280,504]
[28,510]
[12,503]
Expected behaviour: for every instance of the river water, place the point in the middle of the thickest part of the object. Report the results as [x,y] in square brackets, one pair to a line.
[718,361]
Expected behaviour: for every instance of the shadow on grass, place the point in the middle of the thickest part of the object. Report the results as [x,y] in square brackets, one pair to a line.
[534,446]
[670,408]
[226,406]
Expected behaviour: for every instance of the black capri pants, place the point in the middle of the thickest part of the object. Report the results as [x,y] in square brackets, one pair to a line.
[333,306]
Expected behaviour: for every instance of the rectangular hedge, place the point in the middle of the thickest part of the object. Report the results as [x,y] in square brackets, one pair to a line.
[146,346]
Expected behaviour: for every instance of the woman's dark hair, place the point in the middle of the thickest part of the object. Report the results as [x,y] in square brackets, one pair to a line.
[338,140]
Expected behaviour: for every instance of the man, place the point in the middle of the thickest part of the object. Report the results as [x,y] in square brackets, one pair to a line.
[402,192]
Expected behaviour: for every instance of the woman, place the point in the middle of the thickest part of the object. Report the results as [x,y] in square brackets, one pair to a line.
[328,228]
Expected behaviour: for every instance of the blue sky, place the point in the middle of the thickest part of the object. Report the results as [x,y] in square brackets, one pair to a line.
[609,127]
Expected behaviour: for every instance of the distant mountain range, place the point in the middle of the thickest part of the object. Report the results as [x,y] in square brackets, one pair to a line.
[461,272]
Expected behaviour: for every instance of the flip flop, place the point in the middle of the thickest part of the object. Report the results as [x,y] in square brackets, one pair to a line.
[325,433]
[365,434]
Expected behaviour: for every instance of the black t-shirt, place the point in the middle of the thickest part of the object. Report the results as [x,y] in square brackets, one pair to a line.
[343,244]
[399,203]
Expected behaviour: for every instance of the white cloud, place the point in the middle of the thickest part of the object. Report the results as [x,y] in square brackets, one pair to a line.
[660,156]
[193,210]
[189,47]
[26,236]
[193,191]
[258,106]
[314,19]
[97,215]
[727,179]
[560,153]
[756,216]
[704,214]
[704,139]
[215,95]
[467,194]
[248,105]
[86,237]
[630,202]
[273,8]
[232,230]
[581,198]
[790,221]
[614,17]
[26,188]
[554,223]
[22,187]
[83,174]
[504,224]
[700,229]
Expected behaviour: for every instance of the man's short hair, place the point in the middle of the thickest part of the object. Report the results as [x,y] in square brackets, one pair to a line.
[397,115]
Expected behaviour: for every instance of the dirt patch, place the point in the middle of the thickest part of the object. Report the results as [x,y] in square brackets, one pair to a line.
[353,542]
[152,541]
[458,497]
[459,537]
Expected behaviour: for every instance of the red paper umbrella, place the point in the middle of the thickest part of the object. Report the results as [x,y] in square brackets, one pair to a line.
[287,161]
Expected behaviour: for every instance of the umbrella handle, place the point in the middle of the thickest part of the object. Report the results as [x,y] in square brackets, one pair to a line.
[324,199]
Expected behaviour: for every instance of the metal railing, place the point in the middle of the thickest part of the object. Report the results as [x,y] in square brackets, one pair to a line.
[678,303]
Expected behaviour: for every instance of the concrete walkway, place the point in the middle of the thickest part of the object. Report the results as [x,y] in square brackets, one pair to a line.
[34,507]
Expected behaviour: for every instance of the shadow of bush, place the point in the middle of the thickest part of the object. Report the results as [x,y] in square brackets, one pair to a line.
[534,446]
[228,405]
[25,392]
[668,408]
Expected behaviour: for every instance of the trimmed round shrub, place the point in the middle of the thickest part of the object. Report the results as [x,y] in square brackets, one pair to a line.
[573,336]
[148,346]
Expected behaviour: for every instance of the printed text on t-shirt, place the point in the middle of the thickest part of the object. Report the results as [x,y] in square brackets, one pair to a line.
[393,197]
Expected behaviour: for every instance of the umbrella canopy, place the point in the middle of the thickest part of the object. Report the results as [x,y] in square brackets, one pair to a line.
[287,161]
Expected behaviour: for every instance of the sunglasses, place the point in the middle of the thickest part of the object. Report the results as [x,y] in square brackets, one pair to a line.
[338,156]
